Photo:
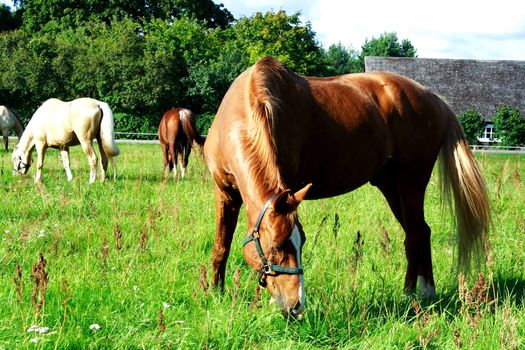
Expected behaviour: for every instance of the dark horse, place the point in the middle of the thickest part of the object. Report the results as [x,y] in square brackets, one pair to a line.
[279,138]
[177,132]
[9,120]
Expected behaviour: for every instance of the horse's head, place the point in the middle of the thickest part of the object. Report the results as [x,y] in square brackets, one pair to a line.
[273,247]
[21,161]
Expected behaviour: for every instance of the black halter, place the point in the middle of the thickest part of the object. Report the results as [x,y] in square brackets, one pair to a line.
[267,268]
[21,165]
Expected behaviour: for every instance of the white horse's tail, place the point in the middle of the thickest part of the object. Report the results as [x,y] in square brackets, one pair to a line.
[106,131]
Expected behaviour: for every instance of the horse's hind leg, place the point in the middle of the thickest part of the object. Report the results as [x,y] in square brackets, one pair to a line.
[227,206]
[173,155]
[165,159]
[405,195]
[64,153]
[103,160]
[184,157]
[87,147]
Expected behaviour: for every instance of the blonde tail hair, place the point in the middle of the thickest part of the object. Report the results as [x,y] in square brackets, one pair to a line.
[461,180]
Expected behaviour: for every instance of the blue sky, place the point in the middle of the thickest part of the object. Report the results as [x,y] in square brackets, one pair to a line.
[472,29]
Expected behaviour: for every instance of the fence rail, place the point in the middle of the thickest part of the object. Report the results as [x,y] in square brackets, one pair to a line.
[153,139]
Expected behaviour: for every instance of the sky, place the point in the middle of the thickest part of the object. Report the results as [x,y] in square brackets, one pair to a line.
[469,29]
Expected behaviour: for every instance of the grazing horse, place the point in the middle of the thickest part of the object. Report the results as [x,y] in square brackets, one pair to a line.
[59,124]
[177,131]
[8,121]
[279,138]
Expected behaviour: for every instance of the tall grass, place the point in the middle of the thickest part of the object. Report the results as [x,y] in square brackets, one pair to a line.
[126,263]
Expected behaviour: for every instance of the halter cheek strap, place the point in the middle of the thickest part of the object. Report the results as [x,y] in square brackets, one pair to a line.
[267,268]
[21,165]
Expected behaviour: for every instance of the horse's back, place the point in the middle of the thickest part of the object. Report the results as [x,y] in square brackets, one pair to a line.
[6,119]
[401,111]
[64,123]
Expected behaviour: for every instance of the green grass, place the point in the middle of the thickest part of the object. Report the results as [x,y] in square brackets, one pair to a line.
[119,252]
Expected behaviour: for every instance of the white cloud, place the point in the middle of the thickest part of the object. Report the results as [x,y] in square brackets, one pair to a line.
[447,29]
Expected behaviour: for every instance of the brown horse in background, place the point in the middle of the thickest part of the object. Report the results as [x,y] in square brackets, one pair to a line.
[177,131]
[279,138]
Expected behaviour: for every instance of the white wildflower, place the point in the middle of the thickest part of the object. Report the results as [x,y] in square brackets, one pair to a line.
[136,288]
[34,340]
[37,329]
[165,305]
[94,327]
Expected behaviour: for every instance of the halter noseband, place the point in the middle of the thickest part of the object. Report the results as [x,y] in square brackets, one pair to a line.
[21,165]
[267,268]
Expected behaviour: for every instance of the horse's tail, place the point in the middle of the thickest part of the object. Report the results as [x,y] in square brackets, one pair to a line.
[187,119]
[106,131]
[461,180]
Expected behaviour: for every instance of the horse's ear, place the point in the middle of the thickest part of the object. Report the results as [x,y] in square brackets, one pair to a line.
[286,202]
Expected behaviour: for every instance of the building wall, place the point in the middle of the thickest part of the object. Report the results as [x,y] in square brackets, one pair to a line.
[464,84]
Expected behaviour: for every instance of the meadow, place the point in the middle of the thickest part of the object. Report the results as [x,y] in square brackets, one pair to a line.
[125,264]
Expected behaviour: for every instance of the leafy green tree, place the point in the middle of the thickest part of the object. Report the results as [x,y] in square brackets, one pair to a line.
[473,125]
[74,12]
[9,20]
[341,60]
[387,45]
[281,36]
[509,126]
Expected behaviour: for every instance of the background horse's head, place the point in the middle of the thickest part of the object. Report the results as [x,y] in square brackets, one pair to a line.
[21,161]
[273,247]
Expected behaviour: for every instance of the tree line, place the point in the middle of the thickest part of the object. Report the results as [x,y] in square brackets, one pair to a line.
[146,56]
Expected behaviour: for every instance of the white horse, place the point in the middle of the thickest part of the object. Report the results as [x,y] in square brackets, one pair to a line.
[60,125]
[8,121]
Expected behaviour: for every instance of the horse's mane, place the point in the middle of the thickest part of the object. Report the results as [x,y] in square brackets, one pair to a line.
[266,83]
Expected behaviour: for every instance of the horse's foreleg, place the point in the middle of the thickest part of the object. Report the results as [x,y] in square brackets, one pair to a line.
[65,161]
[227,208]
[40,151]
[88,149]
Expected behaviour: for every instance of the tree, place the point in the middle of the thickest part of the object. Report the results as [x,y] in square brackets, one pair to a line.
[341,60]
[74,12]
[509,126]
[9,20]
[473,125]
[281,36]
[387,45]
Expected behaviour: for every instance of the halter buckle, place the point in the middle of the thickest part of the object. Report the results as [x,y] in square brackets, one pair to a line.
[266,269]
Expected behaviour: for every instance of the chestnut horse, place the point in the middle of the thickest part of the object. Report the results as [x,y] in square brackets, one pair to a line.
[177,131]
[279,138]
[8,121]
[59,124]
